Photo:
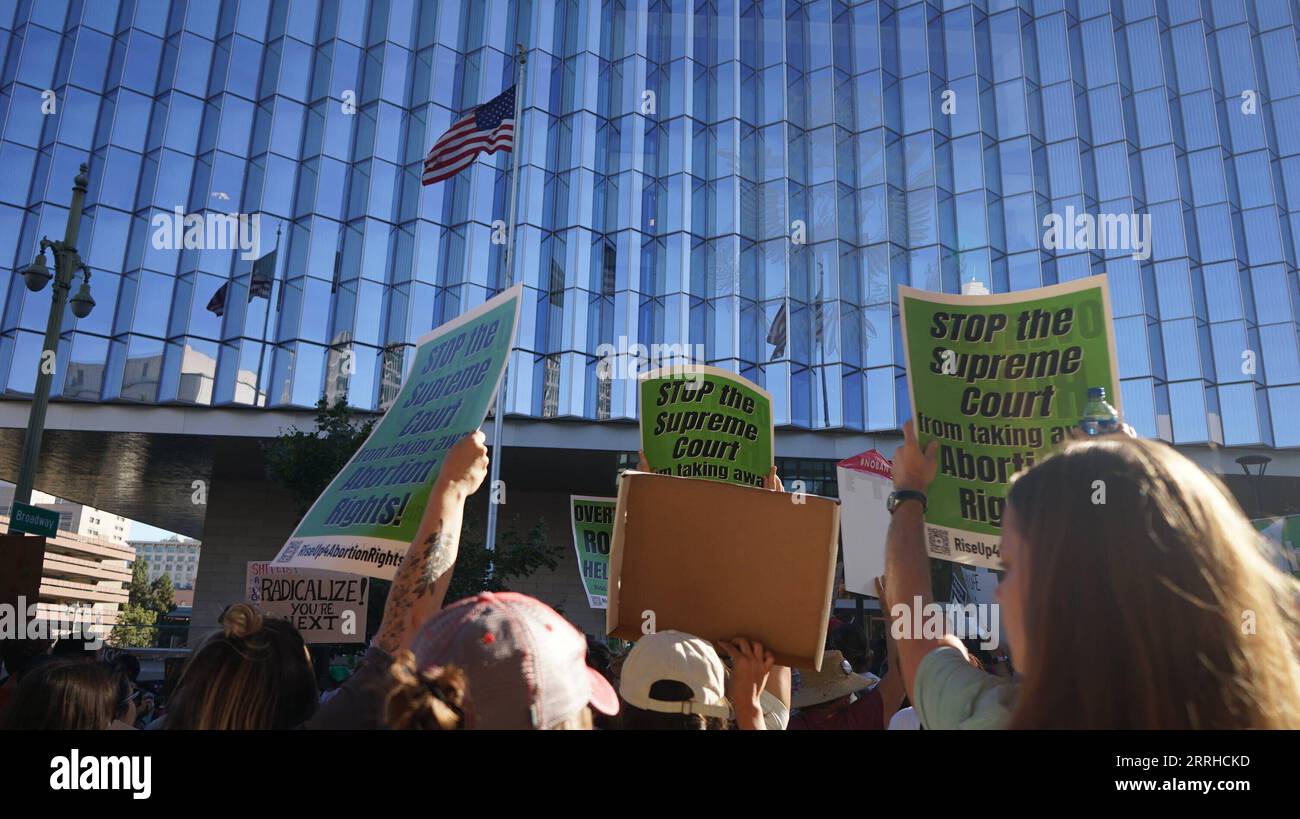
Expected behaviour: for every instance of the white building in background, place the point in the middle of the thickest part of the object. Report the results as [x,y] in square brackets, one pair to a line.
[174,556]
[74,518]
[87,564]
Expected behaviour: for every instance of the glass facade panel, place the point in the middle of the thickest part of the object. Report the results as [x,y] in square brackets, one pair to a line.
[663,181]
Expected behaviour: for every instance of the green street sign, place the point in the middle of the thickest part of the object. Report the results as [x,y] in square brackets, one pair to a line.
[34,520]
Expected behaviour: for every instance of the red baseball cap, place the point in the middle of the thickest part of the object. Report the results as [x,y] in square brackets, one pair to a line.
[525,665]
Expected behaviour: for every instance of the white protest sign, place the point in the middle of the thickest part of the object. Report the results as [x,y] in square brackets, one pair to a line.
[326,607]
[865,482]
[981,583]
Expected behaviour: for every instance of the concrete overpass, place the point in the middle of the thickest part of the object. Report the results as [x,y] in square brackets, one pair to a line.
[147,462]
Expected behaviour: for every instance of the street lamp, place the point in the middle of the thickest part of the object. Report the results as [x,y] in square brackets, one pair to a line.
[66,264]
[1262,461]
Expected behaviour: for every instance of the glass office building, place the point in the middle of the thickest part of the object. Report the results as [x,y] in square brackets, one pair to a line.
[755,177]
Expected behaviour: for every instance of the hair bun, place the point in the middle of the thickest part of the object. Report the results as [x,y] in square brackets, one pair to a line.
[241,620]
[430,700]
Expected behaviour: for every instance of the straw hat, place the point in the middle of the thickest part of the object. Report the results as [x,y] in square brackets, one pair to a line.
[836,679]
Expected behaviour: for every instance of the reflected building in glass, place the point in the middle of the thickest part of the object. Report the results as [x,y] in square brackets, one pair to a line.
[753,177]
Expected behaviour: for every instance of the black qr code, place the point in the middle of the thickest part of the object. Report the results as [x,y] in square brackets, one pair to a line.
[938,541]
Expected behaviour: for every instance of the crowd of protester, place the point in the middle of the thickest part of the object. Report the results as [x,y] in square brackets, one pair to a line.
[1164,585]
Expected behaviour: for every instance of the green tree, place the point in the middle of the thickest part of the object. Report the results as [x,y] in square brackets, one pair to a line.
[162,595]
[158,596]
[139,587]
[304,462]
[135,627]
[516,557]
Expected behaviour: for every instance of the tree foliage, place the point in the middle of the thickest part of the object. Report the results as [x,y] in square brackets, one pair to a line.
[134,628]
[517,556]
[304,462]
[158,596]
[162,595]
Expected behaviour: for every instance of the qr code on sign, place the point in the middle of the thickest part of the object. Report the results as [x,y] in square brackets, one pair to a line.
[937,539]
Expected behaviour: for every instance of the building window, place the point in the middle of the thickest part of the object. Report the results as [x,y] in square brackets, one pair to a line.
[818,476]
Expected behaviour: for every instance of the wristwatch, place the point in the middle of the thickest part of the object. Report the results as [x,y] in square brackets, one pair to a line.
[898,496]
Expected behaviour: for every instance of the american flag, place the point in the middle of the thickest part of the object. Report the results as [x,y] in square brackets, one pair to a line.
[776,333]
[488,128]
[259,284]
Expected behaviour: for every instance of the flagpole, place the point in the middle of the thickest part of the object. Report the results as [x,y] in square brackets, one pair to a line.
[266,317]
[498,413]
[821,344]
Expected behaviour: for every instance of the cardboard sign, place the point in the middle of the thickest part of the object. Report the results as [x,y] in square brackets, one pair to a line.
[704,422]
[865,482]
[365,519]
[999,381]
[326,607]
[721,561]
[593,529]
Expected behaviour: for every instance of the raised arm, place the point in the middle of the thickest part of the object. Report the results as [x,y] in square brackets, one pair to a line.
[421,581]
[779,684]
[751,668]
[906,564]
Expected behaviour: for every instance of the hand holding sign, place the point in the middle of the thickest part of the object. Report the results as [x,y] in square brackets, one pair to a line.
[999,381]
[750,666]
[364,520]
[421,581]
[773,482]
[466,466]
[914,469]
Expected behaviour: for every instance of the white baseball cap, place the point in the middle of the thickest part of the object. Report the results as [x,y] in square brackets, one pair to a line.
[672,655]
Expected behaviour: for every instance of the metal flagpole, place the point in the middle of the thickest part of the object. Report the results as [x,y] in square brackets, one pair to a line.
[266,317]
[498,414]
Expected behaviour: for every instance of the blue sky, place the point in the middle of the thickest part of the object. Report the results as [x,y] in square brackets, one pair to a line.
[143,531]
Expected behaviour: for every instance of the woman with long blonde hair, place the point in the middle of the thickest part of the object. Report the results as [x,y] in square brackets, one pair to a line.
[1136,596]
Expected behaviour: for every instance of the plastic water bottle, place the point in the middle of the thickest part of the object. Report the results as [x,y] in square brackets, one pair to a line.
[1099,417]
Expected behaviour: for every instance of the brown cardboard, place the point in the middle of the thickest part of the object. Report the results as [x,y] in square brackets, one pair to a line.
[720,560]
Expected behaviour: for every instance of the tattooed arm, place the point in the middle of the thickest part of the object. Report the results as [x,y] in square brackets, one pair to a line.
[421,581]
[417,592]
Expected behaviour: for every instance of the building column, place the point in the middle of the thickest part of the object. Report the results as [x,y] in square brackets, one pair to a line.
[248,518]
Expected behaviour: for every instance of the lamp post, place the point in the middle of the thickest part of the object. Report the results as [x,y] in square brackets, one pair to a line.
[1262,461]
[66,263]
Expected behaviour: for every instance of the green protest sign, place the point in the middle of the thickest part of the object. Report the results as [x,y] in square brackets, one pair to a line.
[365,519]
[593,527]
[999,381]
[703,422]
